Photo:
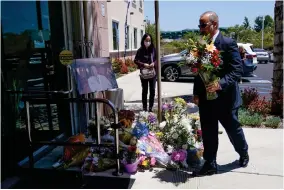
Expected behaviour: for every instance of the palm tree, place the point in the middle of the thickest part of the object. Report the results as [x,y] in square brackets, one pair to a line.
[277,91]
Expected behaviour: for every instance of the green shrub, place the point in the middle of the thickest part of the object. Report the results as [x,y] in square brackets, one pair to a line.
[272,122]
[131,69]
[247,119]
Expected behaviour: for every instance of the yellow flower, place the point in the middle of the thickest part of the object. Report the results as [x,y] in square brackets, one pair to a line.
[194,116]
[210,47]
[159,134]
[180,101]
[144,163]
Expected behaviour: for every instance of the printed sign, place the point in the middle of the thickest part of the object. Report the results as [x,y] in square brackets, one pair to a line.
[66,57]
[93,75]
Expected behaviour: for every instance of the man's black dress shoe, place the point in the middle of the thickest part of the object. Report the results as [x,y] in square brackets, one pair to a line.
[209,168]
[244,160]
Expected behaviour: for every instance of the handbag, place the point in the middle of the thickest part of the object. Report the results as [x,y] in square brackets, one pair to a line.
[148,73]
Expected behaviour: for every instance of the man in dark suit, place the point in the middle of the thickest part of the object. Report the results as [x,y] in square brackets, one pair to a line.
[225,107]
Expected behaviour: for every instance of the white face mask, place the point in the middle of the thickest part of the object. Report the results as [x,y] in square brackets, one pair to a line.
[147,44]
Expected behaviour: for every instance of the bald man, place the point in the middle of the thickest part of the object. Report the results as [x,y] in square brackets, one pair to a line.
[225,108]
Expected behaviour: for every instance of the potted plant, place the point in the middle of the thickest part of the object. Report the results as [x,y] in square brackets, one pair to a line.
[131,161]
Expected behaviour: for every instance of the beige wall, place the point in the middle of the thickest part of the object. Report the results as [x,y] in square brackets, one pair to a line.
[117,12]
[97,27]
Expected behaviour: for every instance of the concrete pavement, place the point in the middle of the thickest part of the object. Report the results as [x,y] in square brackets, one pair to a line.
[132,90]
[265,169]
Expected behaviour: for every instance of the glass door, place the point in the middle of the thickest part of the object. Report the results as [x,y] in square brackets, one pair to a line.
[31,39]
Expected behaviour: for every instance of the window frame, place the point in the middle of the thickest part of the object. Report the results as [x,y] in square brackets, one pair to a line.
[114,38]
[128,36]
[135,39]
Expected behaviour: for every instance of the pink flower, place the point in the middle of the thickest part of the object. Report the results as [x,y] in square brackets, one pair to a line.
[179,156]
[142,158]
[153,161]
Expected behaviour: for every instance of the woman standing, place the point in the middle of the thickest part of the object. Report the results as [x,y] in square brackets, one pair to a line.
[146,60]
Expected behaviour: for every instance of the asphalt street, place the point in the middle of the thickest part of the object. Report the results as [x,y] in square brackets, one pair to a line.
[262,80]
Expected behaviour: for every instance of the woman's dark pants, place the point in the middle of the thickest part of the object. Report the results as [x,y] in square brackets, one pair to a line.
[151,83]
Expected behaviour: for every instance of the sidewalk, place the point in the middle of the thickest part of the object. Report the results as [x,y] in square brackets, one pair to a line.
[132,90]
[265,169]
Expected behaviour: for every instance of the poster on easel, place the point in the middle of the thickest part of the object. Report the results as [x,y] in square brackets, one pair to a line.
[93,75]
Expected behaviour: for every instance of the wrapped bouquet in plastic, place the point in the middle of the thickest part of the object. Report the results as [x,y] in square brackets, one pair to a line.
[150,146]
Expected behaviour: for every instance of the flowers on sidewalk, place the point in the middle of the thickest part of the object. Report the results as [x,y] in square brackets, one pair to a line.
[145,143]
[126,117]
[178,131]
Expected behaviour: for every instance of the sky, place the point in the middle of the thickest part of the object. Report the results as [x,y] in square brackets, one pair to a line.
[179,15]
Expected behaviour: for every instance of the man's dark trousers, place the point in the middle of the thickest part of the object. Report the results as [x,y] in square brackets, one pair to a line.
[210,113]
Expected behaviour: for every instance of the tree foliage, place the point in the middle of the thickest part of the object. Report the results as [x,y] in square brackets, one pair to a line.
[246,23]
[268,23]
[241,33]
[151,29]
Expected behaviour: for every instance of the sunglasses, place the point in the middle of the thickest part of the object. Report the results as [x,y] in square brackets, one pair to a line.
[203,25]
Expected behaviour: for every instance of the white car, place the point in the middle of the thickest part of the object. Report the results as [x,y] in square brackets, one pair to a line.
[262,55]
[250,54]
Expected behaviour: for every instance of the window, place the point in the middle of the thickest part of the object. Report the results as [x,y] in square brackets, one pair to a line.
[24,27]
[115,35]
[142,33]
[134,4]
[127,40]
[135,38]
[141,4]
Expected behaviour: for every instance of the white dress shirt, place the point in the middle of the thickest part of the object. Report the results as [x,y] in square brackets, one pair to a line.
[215,36]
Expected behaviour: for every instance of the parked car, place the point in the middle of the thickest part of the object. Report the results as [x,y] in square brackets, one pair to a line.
[172,71]
[250,54]
[271,57]
[250,64]
[262,55]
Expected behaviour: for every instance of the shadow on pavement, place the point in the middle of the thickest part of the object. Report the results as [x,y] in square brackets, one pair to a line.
[71,180]
[228,167]
[175,177]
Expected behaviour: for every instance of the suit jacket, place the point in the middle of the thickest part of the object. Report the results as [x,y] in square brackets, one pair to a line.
[229,74]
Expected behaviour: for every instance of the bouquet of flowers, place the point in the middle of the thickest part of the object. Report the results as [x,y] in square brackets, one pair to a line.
[150,119]
[180,157]
[204,59]
[130,159]
[150,146]
[131,155]
[147,162]
[126,117]
[99,159]
[177,132]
